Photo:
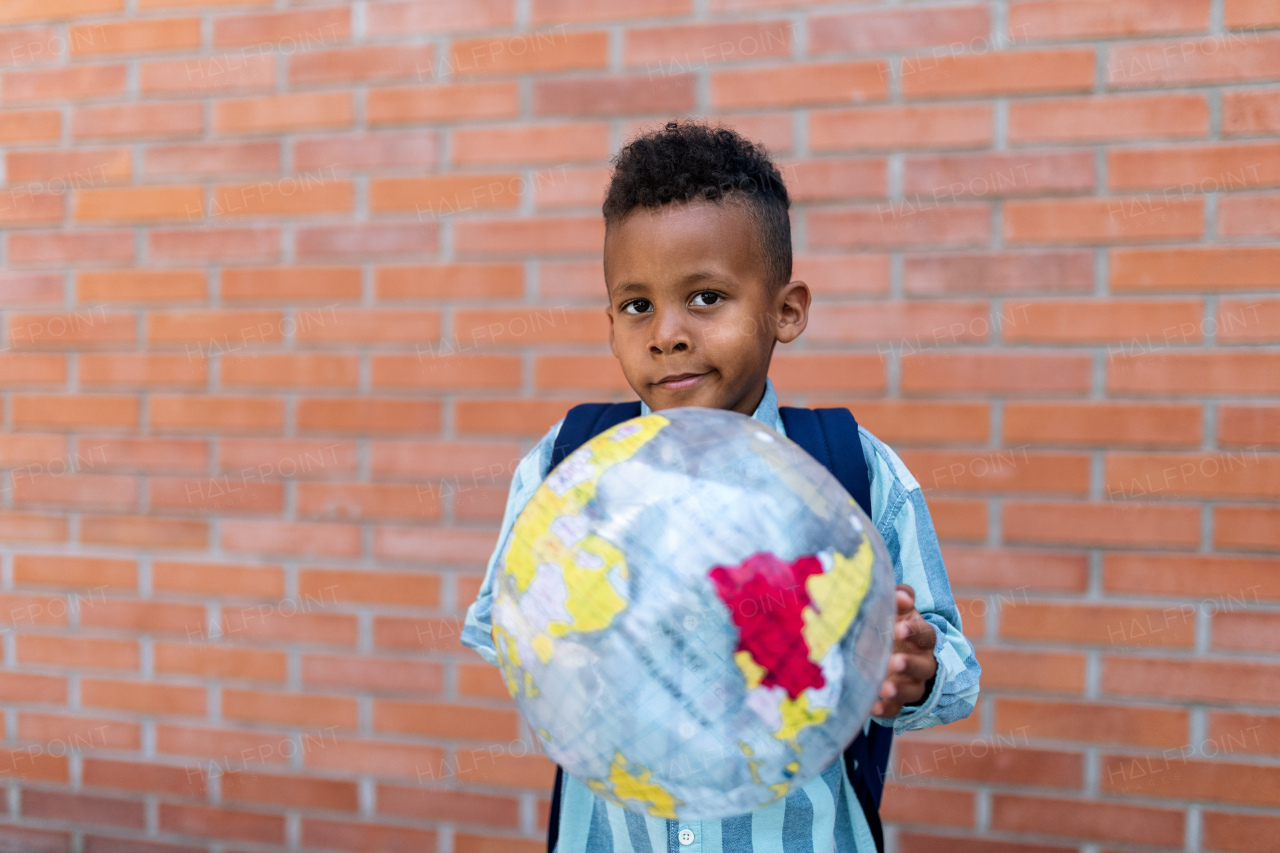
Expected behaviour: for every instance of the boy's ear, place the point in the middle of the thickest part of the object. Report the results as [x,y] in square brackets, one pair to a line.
[793,310]
[612,347]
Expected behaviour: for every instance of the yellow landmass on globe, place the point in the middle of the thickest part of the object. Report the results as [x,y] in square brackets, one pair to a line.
[627,786]
[838,594]
[590,599]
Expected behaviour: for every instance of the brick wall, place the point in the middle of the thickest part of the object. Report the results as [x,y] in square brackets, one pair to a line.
[287,289]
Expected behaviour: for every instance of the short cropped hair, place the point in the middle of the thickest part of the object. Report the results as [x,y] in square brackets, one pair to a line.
[689,160]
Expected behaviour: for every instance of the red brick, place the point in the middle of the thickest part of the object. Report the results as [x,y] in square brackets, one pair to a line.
[1190,373]
[384,63]
[1051,672]
[826,274]
[1246,527]
[1212,269]
[289,709]
[1052,20]
[130,121]
[1243,733]
[335,241]
[217,662]
[55,248]
[368,151]
[673,49]
[1087,819]
[224,414]
[1012,572]
[367,416]
[260,243]
[287,32]
[1108,119]
[545,235]
[795,85]
[604,96]
[145,533]
[894,30]
[1246,833]
[68,170]
[436,16]
[1222,579]
[29,207]
[71,412]
[1198,680]
[891,128]
[146,697]
[1005,373]
[30,126]
[1083,424]
[445,804]
[986,760]
[1249,426]
[140,204]
[210,821]
[281,113]
[441,103]
[915,842]
[927,804]
[468,843]
[1183,171]
[918,222]
[1249,216]
[1120,219]
[1115,524]
[551,50]
[571,11]
[141,370]
[448,721]
[290,284]
[1094,321]
[1242,321]
[143,286]
[1218,474]
[1225,58]
[19,11]
[1091,722]
[133,37]
[446,281]
[1250,113]
[446,195]
[240,71]
[79,82]
[914,326]
[218,159]
[366,836]
[1251,14]
[540,143]
[1246,632]
[328,794]
[218,579]
[998,73]
[999,471]
[1094,625]
[1048,272]
[956,176]
[1176,777]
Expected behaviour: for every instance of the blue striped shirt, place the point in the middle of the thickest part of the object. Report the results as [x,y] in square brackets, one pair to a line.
[823,815]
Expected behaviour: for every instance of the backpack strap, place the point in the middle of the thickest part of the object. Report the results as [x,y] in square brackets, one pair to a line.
[831,436]
[587,420]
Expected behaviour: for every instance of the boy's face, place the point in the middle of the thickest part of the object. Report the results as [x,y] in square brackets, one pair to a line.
[688,295]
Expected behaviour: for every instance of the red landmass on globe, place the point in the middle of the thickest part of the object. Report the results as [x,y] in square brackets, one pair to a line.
[765,597]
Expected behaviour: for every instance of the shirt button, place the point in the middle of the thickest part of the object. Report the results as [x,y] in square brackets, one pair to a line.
[686,837]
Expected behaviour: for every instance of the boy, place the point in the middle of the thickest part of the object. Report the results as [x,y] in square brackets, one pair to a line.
[697,264]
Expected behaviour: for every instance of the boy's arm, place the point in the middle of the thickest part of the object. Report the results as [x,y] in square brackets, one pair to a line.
[903,522]
[528,475]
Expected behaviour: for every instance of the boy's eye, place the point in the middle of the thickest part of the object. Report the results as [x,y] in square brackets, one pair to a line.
[715,296]
[627,305]
[644,303]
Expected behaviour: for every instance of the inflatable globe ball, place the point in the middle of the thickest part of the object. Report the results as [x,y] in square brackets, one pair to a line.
[693,615]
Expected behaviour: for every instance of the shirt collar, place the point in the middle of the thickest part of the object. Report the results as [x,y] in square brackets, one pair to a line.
[767,412]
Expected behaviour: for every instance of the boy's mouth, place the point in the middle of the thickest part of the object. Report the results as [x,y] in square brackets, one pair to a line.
[677,381]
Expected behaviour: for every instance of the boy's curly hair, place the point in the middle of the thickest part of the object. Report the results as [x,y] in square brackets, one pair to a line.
[693,160]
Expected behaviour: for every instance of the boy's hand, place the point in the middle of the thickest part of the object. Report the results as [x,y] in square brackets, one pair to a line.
[912,663]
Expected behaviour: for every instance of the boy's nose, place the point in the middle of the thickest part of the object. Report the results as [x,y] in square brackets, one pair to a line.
[670,333]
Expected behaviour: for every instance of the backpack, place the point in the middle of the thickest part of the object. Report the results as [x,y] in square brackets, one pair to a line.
[831,437]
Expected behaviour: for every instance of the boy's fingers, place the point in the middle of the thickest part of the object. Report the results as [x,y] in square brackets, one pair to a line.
[916,631]
[906,598]
[917,668]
